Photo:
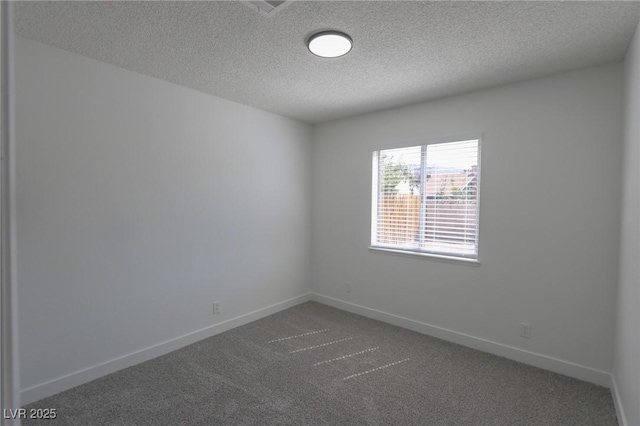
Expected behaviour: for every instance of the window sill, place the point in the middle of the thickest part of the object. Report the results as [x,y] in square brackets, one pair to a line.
[441,257]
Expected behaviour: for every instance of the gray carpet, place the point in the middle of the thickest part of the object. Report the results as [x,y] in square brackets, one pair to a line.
[316,365]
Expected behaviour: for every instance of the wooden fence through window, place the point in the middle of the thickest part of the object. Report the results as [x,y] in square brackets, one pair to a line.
[447,220]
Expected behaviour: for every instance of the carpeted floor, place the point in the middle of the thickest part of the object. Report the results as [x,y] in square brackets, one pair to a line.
[316,365]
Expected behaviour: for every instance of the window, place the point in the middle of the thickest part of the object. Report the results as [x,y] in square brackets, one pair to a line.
[425,199]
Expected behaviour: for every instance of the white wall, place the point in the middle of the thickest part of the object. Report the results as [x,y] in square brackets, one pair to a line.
[550,203]
[9,360]
[627,348]
[140,202]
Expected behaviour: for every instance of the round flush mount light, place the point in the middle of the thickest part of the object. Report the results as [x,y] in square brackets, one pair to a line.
[329,44]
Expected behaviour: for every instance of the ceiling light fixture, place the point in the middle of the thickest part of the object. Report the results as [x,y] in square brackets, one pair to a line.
[329,44]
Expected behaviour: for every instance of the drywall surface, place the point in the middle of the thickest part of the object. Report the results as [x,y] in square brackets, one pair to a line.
[627,348]
[140,203]
[549,216]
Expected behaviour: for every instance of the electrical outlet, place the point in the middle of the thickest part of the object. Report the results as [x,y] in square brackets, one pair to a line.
[216,308]
[525,330]
[347,286]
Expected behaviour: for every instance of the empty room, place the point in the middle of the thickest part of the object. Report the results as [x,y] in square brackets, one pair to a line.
[320,213]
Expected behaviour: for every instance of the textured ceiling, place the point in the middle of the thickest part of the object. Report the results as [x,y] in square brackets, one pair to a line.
[404,52]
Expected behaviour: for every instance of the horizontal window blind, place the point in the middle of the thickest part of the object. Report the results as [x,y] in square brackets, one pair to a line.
[425,198]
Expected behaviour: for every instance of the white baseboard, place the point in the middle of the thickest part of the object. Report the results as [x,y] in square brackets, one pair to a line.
[556,365]
[617,401]
[85,375]
[567,368]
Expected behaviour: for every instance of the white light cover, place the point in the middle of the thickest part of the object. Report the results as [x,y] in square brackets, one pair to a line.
[330,44]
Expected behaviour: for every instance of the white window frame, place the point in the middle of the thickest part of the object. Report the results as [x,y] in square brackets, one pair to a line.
[441,255]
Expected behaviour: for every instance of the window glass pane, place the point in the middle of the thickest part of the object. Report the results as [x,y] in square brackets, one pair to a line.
[399,197]
[451,197]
